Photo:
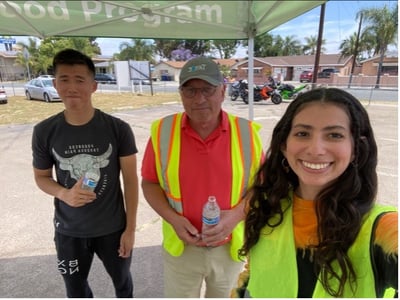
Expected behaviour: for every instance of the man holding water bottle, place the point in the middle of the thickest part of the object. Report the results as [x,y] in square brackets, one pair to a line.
[191,156]
[88,150]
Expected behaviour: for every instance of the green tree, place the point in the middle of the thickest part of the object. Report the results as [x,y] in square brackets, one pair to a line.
[348,46]
[382,24]
[138,49]
[268,45]
[164,48]
[225,48]
[197,47]
[262,45]
[27,57]
[41,55]
[310,48]
[285,46]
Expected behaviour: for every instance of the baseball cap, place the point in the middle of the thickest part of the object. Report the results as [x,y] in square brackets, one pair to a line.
[201,68]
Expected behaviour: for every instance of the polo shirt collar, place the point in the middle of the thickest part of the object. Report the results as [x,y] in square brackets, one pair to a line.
[224,125]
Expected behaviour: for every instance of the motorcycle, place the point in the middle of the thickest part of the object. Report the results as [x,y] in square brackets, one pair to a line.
[263,92]
[290,92]
[235,91]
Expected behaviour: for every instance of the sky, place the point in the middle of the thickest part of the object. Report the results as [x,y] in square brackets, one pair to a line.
[340,23]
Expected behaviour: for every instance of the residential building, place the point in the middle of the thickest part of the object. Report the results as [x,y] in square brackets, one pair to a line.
[289,68]
[9,70]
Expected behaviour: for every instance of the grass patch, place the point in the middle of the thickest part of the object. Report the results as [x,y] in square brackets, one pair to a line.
[19,110]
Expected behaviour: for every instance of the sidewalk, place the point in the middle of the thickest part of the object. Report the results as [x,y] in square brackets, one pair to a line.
[27,256]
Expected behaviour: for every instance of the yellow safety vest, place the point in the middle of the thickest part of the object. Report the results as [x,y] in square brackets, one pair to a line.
[273,266]
[246,153]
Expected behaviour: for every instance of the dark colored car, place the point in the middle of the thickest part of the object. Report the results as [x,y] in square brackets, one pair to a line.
[306,76]
[41,88]
[3,96]
[326,73]
[105,78]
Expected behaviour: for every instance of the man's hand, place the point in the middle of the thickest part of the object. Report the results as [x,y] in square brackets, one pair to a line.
[76,196]
[185,230]
[214,235]
[126,243]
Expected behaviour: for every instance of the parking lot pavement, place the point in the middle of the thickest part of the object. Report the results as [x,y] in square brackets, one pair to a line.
[27,255]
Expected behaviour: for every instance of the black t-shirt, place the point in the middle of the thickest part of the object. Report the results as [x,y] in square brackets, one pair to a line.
[73,150]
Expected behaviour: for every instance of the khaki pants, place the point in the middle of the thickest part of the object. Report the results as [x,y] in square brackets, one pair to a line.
[184,275]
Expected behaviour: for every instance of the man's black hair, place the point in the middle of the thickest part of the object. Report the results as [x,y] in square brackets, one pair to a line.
[72,57]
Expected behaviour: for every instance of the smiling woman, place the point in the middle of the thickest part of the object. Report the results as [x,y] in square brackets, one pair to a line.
[319,181]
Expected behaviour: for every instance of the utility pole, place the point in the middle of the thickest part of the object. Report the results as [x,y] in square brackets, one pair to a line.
[319,43]
[355,54]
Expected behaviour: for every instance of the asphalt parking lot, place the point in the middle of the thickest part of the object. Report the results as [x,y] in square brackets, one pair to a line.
[27,256]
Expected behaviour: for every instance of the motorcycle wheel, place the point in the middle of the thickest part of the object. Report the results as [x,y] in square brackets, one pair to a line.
[276,99]
[245,99]
[234,96]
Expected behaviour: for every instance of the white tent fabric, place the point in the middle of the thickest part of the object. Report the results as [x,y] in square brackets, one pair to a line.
[241,20]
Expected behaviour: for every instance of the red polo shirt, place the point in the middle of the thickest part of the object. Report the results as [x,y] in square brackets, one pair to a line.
[205,168]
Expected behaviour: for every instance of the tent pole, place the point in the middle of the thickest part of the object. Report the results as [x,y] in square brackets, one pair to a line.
[250,77]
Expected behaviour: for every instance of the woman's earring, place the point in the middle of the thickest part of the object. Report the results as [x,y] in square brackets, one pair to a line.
[285,165]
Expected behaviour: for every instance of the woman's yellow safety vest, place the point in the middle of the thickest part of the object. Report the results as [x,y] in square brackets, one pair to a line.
[246,153]
[273,266]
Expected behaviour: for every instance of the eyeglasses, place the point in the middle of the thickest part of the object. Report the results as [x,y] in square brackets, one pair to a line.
[190,92]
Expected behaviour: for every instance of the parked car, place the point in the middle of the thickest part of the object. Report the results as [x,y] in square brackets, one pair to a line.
[46,76]
[306,76]
[41,88]
[105,78]
[3,96]
[326,73]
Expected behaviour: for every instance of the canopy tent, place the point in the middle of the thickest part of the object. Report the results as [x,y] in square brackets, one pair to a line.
[241,20]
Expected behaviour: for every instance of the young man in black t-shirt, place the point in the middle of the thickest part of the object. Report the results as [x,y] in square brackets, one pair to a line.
[84,140]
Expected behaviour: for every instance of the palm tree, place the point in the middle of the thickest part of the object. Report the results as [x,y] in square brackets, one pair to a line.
[137,50]
[310,48]
[28,56]
[348,46]
[290,46]
[382,24]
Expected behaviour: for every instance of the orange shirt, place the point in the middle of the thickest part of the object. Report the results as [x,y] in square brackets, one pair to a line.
[305,227]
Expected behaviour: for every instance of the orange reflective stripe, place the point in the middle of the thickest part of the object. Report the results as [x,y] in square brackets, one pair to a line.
[165,145]
[246,153]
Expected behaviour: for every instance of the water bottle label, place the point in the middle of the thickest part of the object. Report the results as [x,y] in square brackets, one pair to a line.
[90,181]
[212,221]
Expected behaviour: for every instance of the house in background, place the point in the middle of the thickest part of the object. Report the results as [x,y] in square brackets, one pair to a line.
[284,68]
[103,64]
[390,65]
[168,70]
[289,68]
[9,70]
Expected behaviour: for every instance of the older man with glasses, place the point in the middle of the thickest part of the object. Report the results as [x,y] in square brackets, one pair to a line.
[191,155]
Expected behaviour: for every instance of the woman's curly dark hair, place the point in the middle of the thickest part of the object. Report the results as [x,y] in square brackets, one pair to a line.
[340,206]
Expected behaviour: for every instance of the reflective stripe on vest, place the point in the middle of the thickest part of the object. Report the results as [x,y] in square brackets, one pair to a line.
[273,265]
[246,152]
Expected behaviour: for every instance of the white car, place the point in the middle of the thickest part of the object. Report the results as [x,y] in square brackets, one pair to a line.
[41,88]
[3,96]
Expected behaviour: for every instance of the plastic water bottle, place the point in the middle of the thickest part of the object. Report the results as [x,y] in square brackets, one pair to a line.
[90,181]
[211,212]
